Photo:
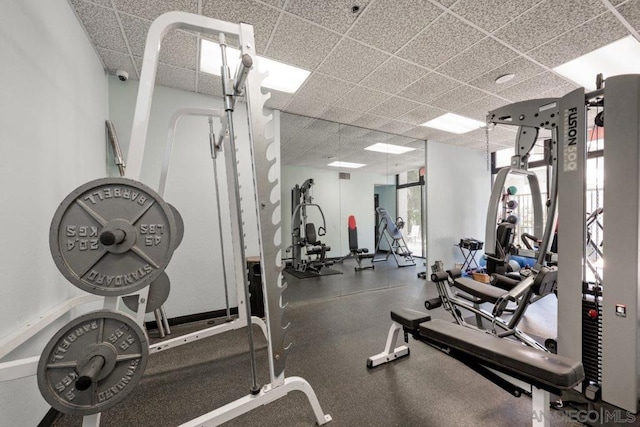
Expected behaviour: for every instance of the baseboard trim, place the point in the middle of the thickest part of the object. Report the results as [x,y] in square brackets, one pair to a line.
[190,318]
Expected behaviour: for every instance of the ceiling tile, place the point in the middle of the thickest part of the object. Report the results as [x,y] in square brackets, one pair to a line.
[101,25]
[374,136]
[492,14]
[462,95]
[178,48]
[389,25]
[370,121]
[477,60]
[533,88]
[559,91]
[151,9]
[350,132]
[393,75]
[306,108]
[393,107]
[324,126]
[419,132]
[209,84]
[396,127]
[416,143]
[340,115]
[105,3]
[420,115]
[547,20]
[262,17]
[631,12]
[333,14]
[293,121]
[429,87]
[361,99]
[496,135]
[352,61]
[299,43]
[574,43]
[446,3]
[441,40]
[478,110]
[322,89]
[278,100]
[276,3]
[521,67]
[117,61]
[177,78]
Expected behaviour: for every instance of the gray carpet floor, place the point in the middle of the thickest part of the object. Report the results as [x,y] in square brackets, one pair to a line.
[336,323]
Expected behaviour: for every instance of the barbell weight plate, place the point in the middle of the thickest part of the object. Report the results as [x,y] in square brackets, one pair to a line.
[158,293]
[112,336]
[112,236]
[179,224]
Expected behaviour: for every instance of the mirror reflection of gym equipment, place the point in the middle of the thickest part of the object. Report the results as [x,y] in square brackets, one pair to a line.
[144,288]
[309,254]
[396,246]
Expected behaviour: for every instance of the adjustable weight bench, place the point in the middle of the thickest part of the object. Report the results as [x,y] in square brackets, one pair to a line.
[358,253]
[513,366]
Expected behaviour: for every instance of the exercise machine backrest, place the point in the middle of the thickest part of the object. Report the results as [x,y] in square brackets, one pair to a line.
[498,261]
[353,234]
[390,223]
[310,234]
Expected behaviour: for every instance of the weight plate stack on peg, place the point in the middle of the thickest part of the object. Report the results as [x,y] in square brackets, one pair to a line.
[113,236]
[158,294]
[92,363]
[179,225]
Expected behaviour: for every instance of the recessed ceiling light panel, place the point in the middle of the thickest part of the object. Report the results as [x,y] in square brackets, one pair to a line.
[281,77]
[389,148]
[346,165]
[619,57]
[454,123]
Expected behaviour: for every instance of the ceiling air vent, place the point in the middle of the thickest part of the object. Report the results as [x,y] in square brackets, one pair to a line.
[345,175]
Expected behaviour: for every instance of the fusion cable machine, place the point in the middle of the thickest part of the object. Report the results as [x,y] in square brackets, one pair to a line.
[597,322]
[529,116]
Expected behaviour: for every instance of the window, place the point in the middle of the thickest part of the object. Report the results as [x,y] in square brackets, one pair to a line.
[409,186]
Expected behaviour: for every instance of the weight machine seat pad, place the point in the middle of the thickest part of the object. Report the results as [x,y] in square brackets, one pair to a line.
[410,319]
[512,358]
[480,290]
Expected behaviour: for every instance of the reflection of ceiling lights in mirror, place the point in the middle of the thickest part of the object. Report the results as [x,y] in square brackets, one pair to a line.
[454,123]
[346,165]
[619,57]
[282,77]
[389,148]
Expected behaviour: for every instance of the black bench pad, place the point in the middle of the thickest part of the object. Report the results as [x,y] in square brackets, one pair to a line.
[480,290]
[512,358]
[408,318]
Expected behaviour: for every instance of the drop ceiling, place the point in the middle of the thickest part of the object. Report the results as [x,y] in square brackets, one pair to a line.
[389,67]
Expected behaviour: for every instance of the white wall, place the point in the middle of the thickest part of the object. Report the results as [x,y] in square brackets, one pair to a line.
[458,189]
[53,104]
[338,199]
[196,267]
